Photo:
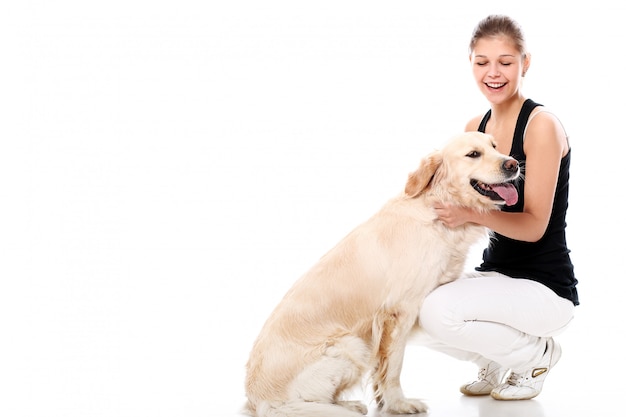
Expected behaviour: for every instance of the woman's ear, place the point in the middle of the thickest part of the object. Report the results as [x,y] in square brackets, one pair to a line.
[525,64]
[420,180]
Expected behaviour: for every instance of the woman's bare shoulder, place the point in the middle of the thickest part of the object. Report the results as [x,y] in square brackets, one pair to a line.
[474,123]
[545,129]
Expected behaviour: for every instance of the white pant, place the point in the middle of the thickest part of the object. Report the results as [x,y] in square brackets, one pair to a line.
[488,316]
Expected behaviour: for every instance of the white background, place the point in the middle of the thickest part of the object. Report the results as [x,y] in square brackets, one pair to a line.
[169,168]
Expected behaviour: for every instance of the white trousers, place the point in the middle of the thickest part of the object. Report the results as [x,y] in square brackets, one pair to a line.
[488,316]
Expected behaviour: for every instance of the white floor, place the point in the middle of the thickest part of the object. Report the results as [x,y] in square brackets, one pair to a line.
[586,380]
[580,385]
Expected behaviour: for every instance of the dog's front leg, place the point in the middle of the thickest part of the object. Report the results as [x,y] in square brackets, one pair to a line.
[391,331]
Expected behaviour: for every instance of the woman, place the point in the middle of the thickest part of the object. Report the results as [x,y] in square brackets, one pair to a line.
[503,316]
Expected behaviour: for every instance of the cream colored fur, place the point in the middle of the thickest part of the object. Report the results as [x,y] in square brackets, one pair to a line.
[350,316]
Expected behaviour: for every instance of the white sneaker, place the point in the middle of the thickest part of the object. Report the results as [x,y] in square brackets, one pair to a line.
[489,377]
[528,384]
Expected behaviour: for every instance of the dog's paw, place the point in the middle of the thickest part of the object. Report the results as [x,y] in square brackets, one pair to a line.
[357,406]
[405,406]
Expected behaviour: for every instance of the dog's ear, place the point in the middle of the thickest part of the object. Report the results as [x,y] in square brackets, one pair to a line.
[419,180]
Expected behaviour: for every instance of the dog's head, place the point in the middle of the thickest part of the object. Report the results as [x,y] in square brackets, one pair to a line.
[468,171]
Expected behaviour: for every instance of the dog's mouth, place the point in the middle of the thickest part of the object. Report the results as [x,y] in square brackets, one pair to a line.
[504,192]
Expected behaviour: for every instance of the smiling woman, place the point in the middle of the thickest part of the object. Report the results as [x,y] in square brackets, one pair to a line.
[521,271]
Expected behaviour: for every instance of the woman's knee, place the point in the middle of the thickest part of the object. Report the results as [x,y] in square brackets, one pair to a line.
[436,312]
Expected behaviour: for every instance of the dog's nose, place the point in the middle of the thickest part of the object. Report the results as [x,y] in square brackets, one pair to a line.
[510,165]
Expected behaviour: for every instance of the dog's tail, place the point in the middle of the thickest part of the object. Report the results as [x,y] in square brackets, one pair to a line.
[305,409]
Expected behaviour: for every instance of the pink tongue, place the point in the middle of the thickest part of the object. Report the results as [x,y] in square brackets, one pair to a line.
[507,192]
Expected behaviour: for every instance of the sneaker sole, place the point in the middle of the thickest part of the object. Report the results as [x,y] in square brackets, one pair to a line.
[473,394]
[497,396]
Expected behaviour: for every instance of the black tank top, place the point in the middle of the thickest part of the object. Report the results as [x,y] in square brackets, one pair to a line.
[547,260]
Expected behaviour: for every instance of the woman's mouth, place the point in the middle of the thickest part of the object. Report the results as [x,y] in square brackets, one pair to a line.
[495,86]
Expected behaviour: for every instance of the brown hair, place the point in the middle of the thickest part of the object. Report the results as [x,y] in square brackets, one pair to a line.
[499,25]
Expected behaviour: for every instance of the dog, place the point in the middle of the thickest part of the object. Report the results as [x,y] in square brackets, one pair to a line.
[350,316]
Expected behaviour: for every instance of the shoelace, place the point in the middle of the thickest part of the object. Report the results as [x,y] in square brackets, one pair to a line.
[514,379]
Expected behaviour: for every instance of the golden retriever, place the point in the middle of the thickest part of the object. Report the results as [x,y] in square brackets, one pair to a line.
[350,316]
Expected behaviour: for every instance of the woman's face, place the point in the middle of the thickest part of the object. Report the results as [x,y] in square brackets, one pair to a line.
[498,67]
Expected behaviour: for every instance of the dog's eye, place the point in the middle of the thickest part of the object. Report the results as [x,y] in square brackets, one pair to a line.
[473,154]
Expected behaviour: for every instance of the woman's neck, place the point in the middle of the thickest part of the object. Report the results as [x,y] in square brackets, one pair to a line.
[505,112]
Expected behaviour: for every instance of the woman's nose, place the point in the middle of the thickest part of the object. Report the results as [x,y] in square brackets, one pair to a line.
[494,71]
